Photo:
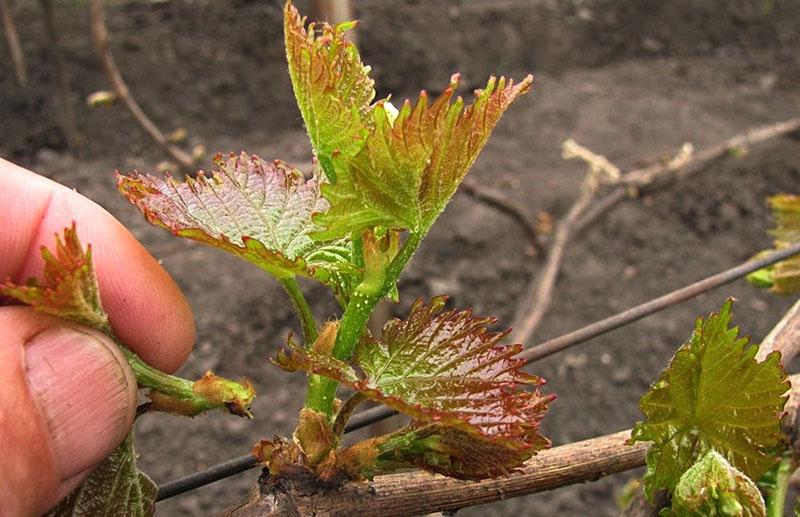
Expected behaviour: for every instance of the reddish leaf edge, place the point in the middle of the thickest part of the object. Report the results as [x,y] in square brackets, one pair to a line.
[293,358]
[136,186]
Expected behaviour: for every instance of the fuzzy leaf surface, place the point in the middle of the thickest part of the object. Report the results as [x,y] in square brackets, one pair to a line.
[411,165]
[445,368]
[68,288]
[712,486]
[449,451]
[332,87]
[713,396]
[116,488]
[258,210]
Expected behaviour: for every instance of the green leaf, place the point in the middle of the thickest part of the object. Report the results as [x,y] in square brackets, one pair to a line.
[332,87]
[411,165]
[257,210]
[444,368]
[115,488]
[713,487]
[713,396]
[783,277]
[69,288]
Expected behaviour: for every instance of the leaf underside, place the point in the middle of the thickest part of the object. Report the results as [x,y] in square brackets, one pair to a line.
[68,288]
[333,89]
[443,368]
[410,166]
[450,452]
[258,210]
[115,488]
[783,277]
[713,396]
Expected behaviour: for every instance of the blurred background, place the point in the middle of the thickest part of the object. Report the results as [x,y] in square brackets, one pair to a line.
[630,79]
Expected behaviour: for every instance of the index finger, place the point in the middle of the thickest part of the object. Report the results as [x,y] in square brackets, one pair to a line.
[145,307]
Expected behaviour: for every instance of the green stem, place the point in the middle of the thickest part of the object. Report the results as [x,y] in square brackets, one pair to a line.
[153,378]
[321,390]
[776,498]
[181,396]
[302,309]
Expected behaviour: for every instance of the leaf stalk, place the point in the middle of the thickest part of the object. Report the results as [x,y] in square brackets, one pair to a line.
[776,496]
[182,396]
[302,309]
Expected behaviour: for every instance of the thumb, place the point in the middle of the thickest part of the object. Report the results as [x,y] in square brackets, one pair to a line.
[67,399]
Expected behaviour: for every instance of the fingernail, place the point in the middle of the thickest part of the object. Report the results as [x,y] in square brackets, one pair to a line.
[85,391]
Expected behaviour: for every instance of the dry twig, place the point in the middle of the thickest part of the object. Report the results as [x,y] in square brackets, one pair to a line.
[334,12]
[784,337]
[533,306]
[63,91]
[100,37]
[588,209]
[516,211]
[14,48]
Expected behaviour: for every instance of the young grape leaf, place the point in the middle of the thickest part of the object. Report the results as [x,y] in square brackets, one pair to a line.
[257,210]
[413,161]
[444,368]
[332,87]
[116,488]
[713,396]
[783,277]
[70,291]
[712,486]
[69,288]
[447,451]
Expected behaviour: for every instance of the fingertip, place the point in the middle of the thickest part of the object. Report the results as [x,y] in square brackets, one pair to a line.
[153,318]
[146,308]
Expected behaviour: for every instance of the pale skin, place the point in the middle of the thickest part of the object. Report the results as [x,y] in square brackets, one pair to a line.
[53,450]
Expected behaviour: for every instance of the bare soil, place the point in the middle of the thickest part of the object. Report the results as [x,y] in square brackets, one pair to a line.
[629,79]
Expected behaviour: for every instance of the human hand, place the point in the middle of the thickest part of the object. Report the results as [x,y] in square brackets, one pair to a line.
[67,395]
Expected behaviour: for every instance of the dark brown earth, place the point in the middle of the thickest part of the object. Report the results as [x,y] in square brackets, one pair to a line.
[630,79]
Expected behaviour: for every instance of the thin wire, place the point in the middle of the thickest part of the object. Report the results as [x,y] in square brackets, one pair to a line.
[640,311]
[583,334]
[219,471]
[368,417]
[242,463]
